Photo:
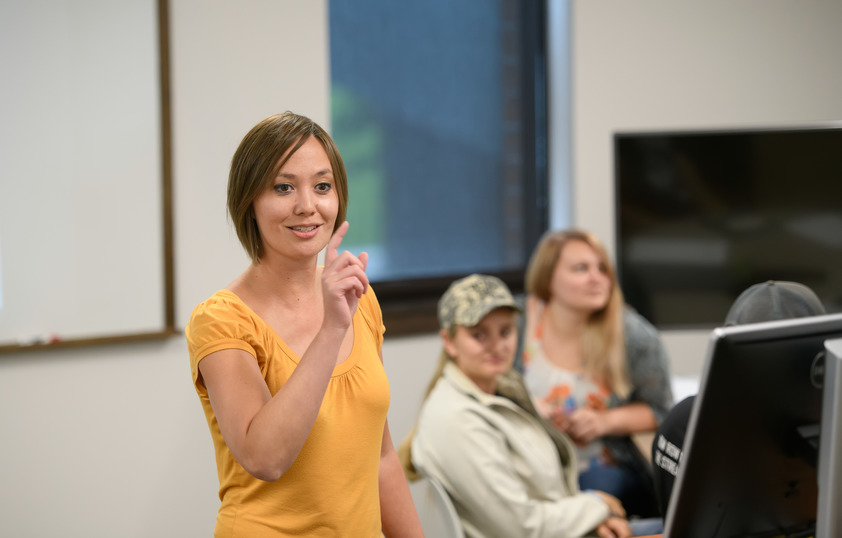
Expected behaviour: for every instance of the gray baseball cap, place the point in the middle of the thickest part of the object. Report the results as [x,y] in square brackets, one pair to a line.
[774,300]
[470,299]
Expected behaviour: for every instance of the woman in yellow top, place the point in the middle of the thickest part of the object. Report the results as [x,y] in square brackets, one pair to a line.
[287,361]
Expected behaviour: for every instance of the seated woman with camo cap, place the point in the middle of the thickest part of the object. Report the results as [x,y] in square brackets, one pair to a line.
[507,472]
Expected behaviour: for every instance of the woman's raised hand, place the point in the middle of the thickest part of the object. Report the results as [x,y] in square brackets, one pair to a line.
[343,281]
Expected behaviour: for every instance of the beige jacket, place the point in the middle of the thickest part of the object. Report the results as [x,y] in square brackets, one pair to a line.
[505,473]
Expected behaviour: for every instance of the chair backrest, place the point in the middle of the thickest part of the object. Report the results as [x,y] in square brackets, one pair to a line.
[435,509]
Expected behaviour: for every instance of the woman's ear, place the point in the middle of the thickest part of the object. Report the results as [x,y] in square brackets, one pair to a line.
[447,342]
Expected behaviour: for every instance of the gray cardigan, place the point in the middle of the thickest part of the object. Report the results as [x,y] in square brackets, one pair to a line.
[649,375]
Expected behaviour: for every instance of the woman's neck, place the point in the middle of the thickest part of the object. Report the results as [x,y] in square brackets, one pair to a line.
[564,322]
[489,387]
[294,285]
[562,337]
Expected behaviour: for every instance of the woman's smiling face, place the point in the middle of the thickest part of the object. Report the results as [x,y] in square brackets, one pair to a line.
[297,212]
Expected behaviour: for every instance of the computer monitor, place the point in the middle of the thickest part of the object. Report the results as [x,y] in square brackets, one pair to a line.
[830,445]
[749,466]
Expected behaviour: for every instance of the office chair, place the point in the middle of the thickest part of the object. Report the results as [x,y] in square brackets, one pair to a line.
[435,509]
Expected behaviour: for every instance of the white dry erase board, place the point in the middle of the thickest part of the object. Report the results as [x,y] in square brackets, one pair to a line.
[85,204]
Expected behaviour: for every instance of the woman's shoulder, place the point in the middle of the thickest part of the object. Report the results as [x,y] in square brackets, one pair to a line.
[368,301]
[646,354]
[453,422]
[443,394]
[222,304]
[369,309]
[637,329]
[447,404]
[634,320]
[221,316]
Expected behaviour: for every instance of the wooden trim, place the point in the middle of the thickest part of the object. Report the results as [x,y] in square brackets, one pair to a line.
[87,342]
[166,165]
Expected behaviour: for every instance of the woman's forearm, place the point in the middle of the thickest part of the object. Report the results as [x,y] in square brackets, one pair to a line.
[287,420]
[397,510]
[631,418]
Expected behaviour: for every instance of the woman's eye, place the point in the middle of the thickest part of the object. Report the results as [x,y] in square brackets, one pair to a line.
[282,187]
[323,187]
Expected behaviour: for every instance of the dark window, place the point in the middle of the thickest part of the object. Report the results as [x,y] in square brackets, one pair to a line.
[438,108]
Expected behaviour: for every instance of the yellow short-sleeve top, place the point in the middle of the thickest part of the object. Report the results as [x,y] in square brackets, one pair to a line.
[332,487]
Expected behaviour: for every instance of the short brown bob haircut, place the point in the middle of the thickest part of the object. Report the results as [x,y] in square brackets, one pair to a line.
[261,154]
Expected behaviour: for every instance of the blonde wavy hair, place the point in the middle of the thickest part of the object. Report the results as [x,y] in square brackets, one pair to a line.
[603,343]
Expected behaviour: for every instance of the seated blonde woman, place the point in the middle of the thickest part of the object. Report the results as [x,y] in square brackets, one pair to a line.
[598,370]
[507,471]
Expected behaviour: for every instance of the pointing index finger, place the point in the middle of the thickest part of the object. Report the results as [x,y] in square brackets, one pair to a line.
[333,244]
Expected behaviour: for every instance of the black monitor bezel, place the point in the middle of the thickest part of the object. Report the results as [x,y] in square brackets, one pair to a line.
[697,507]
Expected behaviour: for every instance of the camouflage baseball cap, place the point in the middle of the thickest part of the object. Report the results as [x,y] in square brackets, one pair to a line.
[470,299]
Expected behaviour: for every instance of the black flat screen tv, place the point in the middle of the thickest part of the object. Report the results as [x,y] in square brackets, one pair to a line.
[751,457]
[702,215]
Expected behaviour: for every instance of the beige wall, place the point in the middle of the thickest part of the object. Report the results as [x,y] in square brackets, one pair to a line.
[655,64]
[111,441]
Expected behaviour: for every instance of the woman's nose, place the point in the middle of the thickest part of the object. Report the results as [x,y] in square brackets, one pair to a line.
[304,203]
[500,343]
